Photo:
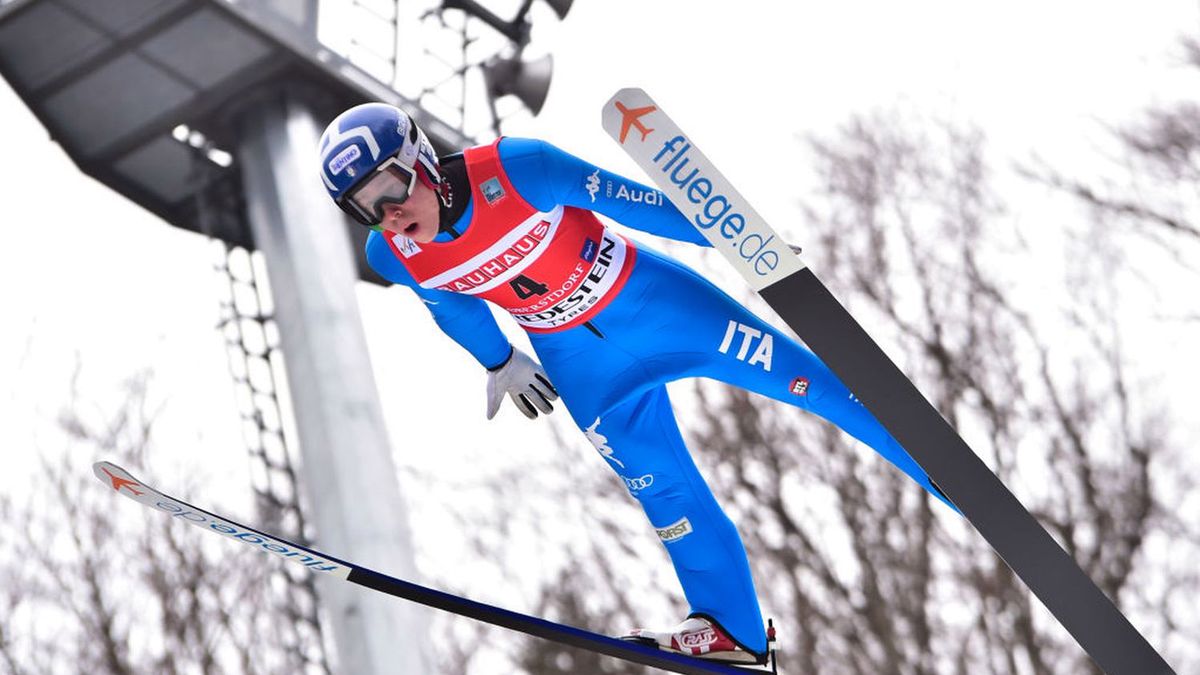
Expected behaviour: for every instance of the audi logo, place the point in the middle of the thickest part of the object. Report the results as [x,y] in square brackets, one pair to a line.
[635,484]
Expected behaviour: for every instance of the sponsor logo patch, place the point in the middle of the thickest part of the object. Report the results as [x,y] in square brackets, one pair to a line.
[407,247]
[698,639]
[601,442]
[593,184]
[589,250]
[492,190]
[675,531]
[799,386]
[635,194]
[343,158]
[636,485]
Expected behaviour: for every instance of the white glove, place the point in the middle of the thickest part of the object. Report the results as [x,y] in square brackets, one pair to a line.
[524,381]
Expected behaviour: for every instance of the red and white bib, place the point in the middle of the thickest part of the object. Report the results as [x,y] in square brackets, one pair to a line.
[551,270]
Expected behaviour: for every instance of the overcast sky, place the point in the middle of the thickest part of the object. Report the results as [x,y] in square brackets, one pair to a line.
[87,275]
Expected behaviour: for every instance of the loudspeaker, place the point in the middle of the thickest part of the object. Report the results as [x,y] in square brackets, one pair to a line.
[529,81]
[560,7]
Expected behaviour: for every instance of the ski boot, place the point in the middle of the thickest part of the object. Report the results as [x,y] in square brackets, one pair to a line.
[699,637]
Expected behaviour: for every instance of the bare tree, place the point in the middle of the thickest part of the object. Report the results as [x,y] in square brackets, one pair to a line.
[91,586]
[1145,196]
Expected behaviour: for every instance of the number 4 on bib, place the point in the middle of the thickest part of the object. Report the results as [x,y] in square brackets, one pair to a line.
[526,288]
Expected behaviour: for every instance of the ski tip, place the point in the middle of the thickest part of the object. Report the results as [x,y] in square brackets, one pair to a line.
[625,99]
[625,110]
[629,93]
[113,476]
[99,467]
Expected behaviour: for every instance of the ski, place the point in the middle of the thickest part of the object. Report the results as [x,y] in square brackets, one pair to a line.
[320,563]
[731,225]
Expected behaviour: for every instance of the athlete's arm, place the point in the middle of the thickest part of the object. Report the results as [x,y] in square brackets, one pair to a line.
[546,177]
[465,319]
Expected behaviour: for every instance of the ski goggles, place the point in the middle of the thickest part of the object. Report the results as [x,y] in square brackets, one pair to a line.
[391,183]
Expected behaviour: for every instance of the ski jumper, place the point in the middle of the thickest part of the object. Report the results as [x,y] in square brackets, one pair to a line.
[612,322]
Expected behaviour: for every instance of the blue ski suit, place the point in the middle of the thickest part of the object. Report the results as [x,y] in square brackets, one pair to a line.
[652,322]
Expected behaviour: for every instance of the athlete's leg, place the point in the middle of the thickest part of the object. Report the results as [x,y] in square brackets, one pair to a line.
[750,353]
[641,442]
[697,330]
[614,398]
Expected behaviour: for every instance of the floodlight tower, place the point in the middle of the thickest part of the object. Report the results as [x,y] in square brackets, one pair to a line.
[207,113]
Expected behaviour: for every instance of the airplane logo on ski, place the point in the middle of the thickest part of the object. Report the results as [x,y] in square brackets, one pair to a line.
[632,118]
[118,482]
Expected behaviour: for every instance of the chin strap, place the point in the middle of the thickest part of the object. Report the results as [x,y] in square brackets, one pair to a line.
[453,192]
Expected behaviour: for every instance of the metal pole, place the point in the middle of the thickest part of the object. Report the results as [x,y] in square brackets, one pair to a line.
[347,467]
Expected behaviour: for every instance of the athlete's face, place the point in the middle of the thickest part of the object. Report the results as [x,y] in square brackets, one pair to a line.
[417,218]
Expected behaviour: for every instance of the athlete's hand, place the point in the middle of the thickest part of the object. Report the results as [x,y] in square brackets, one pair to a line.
[524,381]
